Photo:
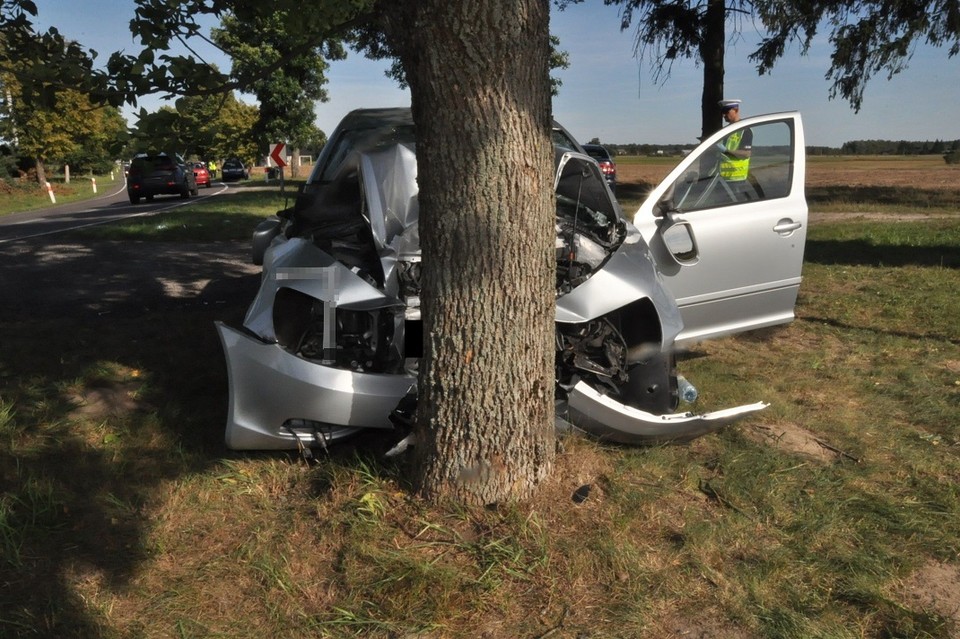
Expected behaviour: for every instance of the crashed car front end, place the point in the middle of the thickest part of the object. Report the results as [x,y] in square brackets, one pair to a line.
[332,341]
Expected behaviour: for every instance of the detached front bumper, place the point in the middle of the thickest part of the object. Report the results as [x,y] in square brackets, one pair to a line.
[607,419]
[277,398]
[279,401]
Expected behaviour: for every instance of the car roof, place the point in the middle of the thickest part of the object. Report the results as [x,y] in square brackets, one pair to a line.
[397,118]
[367,118]
[400,116]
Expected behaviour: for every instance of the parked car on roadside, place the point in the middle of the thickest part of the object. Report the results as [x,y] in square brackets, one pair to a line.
[604,159]
[153,174]
[200,173]
[331,342]
[233,169]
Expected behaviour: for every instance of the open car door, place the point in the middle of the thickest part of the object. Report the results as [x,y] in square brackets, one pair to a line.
[729,244]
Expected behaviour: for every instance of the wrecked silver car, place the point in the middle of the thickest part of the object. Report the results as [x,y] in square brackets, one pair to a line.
[332,340]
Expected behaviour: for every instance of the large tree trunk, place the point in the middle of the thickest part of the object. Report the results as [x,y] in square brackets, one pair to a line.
[713,41]
[479,81]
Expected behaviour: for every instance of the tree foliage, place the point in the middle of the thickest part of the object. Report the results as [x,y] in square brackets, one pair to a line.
[201,127]
[47,115]
[76,131]
[287,94]
[670,30]
[867,36]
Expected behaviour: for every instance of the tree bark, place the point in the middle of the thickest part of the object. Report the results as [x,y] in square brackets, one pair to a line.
[479,82]
[41,172]
[713,42]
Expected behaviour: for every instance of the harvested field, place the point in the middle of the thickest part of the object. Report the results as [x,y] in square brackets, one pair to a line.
[922,172]
[893,185]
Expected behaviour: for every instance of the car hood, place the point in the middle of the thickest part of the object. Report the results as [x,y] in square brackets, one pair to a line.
[377,189]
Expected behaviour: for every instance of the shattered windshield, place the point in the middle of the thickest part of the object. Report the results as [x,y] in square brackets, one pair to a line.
[363,140]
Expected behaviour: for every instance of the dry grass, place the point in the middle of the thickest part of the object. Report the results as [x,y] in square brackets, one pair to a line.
[862,185]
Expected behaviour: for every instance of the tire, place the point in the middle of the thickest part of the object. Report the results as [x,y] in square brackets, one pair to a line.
[134,199]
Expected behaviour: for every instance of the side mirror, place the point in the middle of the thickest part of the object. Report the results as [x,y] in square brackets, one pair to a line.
[262,237]
[680,242]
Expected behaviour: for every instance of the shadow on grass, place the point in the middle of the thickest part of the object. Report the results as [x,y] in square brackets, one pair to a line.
[848,326]
[863,253]
[112,384]
[112,387]
[907,197]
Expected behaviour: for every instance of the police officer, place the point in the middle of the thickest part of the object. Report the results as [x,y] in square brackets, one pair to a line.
[735,148]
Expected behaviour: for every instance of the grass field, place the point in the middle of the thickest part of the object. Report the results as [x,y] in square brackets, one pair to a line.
[834,513]
[29,196]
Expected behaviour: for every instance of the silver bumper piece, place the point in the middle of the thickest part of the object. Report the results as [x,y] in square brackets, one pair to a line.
[277,398]
[608,419]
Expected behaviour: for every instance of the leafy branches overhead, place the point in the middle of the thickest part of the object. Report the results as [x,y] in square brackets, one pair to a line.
[163,26]
[667,30]
[286,95]
[290,31]
[41,63]
[867,36]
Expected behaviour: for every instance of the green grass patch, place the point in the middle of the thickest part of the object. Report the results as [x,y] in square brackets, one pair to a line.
[228,217]
[16,196]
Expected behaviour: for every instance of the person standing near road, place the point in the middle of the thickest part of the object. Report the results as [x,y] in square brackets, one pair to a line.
[735,148]
[212,168]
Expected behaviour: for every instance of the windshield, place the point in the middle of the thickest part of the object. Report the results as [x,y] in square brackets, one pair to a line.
[361,140]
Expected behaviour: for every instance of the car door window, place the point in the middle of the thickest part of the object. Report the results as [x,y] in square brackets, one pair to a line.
[722,177]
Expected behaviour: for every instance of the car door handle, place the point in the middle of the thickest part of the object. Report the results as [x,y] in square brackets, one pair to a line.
[786,226]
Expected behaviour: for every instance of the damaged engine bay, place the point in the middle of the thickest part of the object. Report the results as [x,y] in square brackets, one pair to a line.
[332,341]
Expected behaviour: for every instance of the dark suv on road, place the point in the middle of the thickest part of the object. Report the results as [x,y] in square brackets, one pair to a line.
[233,169]
[159,174]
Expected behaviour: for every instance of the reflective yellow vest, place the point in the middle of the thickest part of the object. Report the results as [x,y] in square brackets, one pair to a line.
[734,169]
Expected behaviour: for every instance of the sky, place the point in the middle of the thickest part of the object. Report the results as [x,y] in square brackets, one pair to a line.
[607,93]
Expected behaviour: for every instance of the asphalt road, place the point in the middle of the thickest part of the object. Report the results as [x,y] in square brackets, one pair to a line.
[46,274]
